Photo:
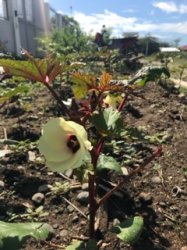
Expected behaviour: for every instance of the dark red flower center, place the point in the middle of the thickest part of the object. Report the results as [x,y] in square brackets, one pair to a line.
[73,143]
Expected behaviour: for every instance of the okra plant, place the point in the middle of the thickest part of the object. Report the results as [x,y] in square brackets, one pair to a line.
[78,137]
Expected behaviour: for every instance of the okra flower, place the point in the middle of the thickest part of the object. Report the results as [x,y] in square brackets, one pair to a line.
[64,144]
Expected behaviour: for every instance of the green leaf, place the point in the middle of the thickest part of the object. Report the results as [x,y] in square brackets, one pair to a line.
[80,245]
[76,245]
[109,163]
[13,235]
[10,93]
[41,70]
[130,230]
[152,73]
[134,133]
[8,142]
[108,120]
[142,82]
[155,73]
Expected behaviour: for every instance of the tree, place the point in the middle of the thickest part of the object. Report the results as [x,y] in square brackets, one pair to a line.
[69,39]
[176,42]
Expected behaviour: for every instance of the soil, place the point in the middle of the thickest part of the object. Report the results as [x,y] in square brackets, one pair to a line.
[159,193]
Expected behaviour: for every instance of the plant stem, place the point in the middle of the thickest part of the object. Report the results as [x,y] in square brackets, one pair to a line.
[60,102]
[122,104]
[96,152]
[92,187]
[93,206]
[127,178]
[99,148]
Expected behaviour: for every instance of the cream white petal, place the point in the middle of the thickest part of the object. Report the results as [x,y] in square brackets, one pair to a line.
[80,130]
[53,144]
[54,151]
[53,130]
[74,162]
[88,145]
[81,134]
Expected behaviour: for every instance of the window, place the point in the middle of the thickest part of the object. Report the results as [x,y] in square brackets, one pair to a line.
[20,8]
[3,9]
[28,10]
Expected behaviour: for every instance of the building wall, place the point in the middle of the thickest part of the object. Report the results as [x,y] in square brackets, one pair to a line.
[40,15]
[7,36]
[27,19]
[33,26]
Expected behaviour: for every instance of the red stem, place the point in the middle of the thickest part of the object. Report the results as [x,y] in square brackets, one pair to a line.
[85,118]
[92,188]
[93,206]
[100,146]
[122,104]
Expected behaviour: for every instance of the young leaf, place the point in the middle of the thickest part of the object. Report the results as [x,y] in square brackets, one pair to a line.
[81,84]
[13,235]
[105,84]
[105,80]
[130,230]
[109,162]
[109,120]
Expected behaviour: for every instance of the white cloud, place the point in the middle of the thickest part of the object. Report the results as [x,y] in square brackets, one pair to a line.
[183,8]
[119,24]
[94,22]
[171,7]
[166,6]
[180,27]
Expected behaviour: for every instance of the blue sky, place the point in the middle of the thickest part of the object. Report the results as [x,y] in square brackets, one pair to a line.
[164,19]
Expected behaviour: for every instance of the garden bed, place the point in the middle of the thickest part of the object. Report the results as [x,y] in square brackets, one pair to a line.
[159,193]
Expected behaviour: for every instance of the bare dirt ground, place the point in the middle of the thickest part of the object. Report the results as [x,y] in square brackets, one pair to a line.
[159,193]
